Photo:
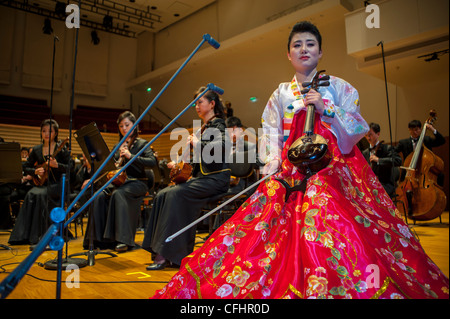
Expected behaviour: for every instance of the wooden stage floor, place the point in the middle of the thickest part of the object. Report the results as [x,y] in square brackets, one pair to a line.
[125,276]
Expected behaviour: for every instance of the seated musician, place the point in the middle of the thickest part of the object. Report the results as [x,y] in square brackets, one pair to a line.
[382,158]
[407,146]
[117,209]
[236,133]
[177,206]
[33,219]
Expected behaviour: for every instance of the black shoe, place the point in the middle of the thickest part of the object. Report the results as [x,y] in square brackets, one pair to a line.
[32,247]
[156,266]
[121,248]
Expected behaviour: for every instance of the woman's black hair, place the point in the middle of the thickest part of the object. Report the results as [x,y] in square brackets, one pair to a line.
[132,118]
[213,96]
[305,26]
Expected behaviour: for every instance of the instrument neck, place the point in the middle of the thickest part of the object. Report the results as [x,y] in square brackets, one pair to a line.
[308,128]
[418,148]
[129,144]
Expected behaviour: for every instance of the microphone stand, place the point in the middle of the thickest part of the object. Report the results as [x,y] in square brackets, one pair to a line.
[9,283]
[206,38]
[386,85]
[52,264]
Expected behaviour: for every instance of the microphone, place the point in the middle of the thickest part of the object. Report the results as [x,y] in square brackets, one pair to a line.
[211,41]
[381,42]
[56,37]
[214,88]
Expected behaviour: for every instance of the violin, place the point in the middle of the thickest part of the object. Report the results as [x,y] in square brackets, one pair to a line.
[419,194]
[375,150]
[122,177]
[309,153]
[40,180]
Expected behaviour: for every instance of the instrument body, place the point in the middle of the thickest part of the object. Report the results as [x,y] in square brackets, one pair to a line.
[40,180]
[182,171]
[122,177]
[309,153]
[420,194]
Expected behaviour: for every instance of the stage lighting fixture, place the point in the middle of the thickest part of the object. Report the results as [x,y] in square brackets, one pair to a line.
[108,22]
[60,9]
[94,38]
[47,28]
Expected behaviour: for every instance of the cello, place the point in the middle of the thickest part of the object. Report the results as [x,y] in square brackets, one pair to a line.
[419,194]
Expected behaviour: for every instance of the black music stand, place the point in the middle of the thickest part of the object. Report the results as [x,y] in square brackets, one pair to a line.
[94,147]
[11,168]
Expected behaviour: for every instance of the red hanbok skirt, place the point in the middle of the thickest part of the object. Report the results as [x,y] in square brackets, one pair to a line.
[342,238]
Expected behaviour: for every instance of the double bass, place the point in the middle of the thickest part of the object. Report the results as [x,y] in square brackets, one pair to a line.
[419,194]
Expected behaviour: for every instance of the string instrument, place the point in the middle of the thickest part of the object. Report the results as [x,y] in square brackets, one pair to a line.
[309,153]
[375,150]
[419,193]
[40,180]
[182,171]
[122,177]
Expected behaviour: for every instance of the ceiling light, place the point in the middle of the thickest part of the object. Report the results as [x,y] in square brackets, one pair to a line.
[47,28]
[94,38]
[60,9]
[108,22]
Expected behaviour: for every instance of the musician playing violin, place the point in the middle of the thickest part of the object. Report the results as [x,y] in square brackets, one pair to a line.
[116,210]
[33,218]
[382,158]
[177,206]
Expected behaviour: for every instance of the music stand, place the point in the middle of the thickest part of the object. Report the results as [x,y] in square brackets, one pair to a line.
[94,148]
[11,168]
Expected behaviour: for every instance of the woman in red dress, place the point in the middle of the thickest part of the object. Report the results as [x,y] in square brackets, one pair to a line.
[342,237]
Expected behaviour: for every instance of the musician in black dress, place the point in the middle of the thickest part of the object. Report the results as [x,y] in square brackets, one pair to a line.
[382,158]
[177,206]
[407,146]
[116,210]
[33,219]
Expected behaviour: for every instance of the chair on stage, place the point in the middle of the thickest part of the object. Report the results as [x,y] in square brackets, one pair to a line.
[242,171]
[147,201]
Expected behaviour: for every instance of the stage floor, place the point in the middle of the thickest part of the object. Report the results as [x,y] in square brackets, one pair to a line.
[125,276]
